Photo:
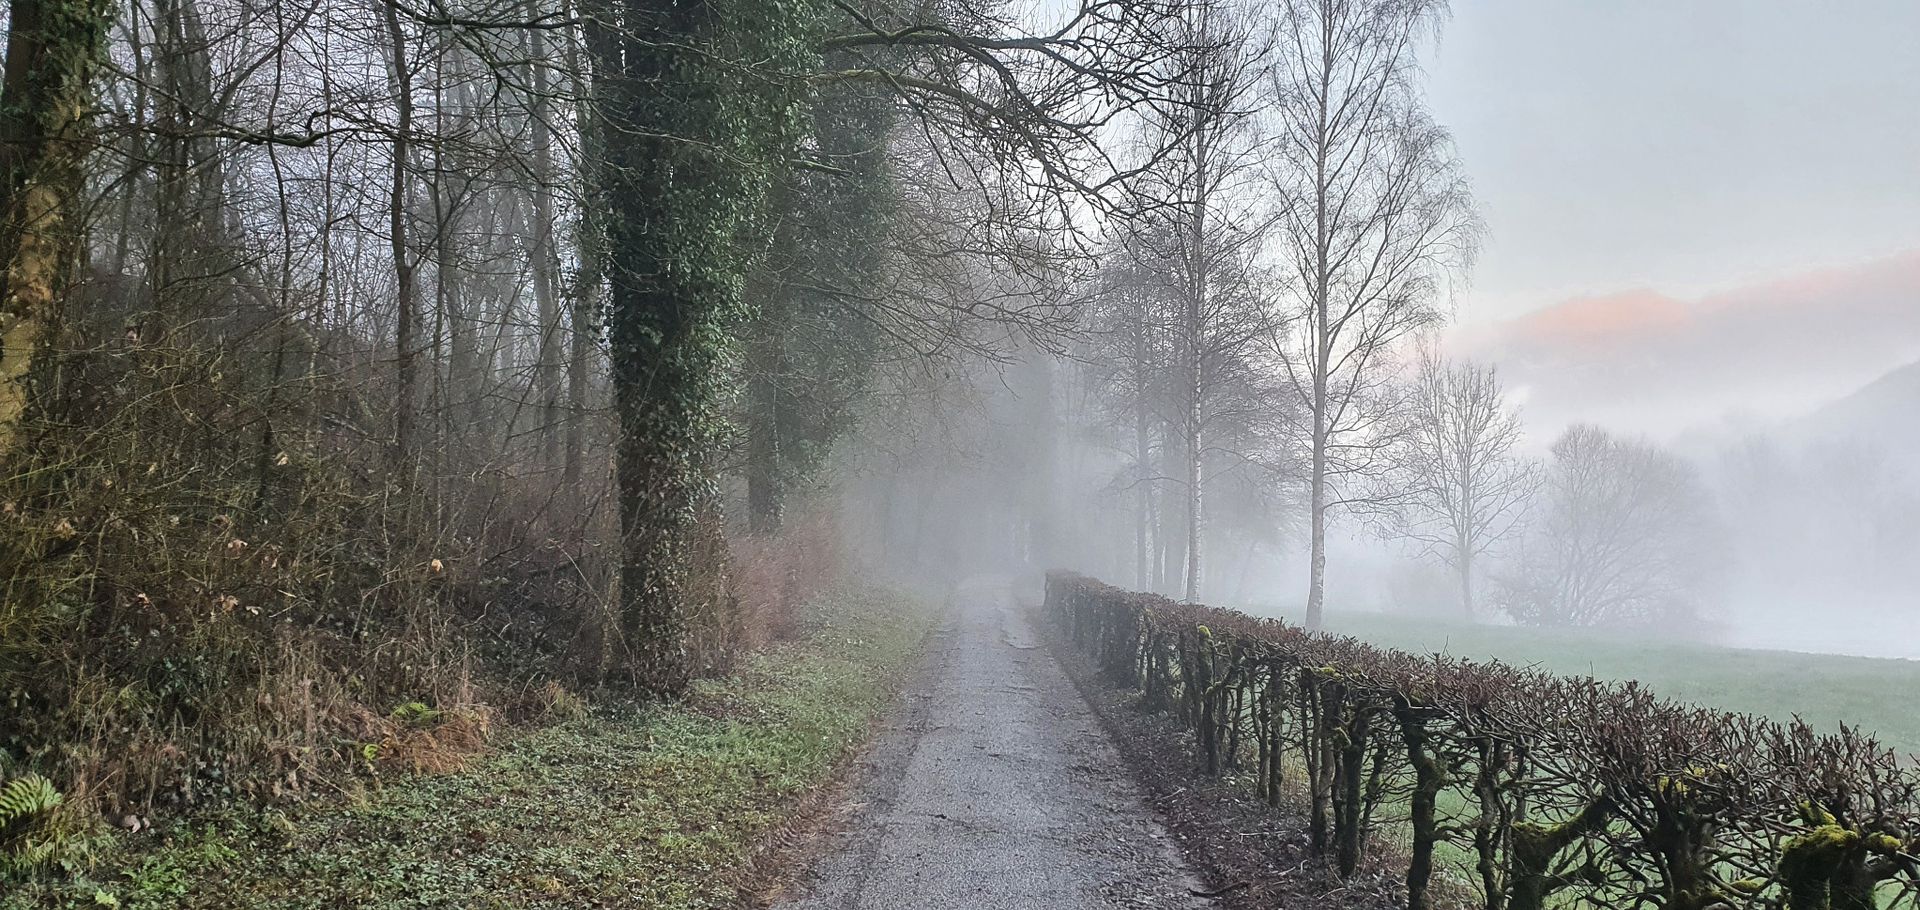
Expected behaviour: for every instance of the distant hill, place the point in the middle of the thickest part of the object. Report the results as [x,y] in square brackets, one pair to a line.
[1884,413]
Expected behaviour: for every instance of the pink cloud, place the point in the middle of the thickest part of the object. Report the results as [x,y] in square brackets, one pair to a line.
[1770,349]
[1588,321]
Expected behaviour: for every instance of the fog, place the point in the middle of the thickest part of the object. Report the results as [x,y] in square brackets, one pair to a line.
[1616,387]
[1798,534]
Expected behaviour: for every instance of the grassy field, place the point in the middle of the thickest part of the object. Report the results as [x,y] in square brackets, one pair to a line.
[625,807]
[1875,694]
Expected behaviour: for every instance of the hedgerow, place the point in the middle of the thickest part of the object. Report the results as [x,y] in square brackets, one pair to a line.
[1576,791]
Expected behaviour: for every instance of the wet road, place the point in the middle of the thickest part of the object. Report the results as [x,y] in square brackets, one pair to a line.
[993,786]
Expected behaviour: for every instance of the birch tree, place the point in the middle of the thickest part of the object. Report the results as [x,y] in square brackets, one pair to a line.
[1200,225]
[1374,215]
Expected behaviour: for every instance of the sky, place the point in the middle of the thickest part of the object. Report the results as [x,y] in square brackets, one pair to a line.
[1715,203]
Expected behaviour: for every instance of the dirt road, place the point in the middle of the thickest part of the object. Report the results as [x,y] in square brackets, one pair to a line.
[993,787]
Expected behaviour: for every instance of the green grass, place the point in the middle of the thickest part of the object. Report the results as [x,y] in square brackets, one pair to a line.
[627,807]
[1875,694]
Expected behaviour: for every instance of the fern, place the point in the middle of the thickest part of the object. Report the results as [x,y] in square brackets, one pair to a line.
[27,841]
[415,714]
[25,798]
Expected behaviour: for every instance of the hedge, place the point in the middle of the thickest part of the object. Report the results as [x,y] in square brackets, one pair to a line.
[1561,791]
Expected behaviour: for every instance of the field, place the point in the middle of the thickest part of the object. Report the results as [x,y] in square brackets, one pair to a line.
[1875,694]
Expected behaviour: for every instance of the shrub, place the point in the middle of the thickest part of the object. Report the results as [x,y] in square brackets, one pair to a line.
[1575,791]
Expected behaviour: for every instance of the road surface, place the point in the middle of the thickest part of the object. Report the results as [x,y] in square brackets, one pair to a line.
[993,786]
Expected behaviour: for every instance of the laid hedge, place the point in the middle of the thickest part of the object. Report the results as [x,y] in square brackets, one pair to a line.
[1560,791]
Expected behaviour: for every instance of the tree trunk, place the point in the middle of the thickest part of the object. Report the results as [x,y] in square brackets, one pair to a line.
[1317,516]
[1466,585]
[406,291]
[51,49]
[1322,355]
[1321,754]
[1423,814]
[1173,550]
[1142,459]
[582,332]
[1193,378]
[659,472]
[139,159]
[1195,503]
[763,426]
[457,305]
[192,248]
[584,294]
[676,199]
[546,264]
[1349,808]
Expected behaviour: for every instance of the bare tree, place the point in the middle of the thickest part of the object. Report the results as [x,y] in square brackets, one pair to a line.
[1199,222]
[406,271]
[541,247]
[1625,536]
[1462,485]
[1374,213]
[1126,358]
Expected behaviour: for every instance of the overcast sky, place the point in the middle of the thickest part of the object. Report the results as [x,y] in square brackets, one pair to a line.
[1640,161]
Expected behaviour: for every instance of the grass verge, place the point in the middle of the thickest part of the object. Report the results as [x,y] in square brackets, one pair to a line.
[628,806]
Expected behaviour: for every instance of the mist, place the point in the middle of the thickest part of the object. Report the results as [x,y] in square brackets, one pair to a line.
[1735,310]
[1798,535]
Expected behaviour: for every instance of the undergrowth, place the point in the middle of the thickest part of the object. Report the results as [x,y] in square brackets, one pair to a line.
[216,598]
[211,595]
[624,805]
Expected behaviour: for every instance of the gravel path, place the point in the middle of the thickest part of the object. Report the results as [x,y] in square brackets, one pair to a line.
[994,787]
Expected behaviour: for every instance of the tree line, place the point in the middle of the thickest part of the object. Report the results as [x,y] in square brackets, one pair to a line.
[1259,349]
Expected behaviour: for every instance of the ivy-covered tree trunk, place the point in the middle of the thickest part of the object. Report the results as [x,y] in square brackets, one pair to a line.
[687,148]
[51,49]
